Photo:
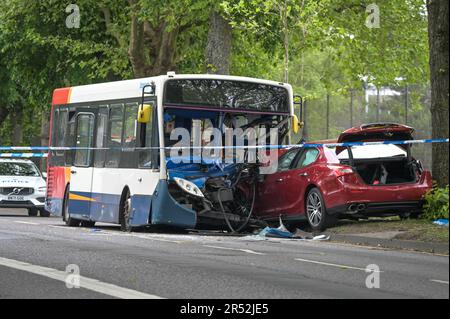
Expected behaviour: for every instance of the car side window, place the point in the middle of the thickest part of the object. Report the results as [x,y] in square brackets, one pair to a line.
[286,160]
[308,157]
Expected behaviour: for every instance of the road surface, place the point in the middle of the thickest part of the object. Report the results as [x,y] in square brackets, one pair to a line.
[37,254]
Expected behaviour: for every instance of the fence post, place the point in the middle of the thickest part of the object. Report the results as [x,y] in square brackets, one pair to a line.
[378,105]
[351,107]
[328,115]
[406,103]
[305,120]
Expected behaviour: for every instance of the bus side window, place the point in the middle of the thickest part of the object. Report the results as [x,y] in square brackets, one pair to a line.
[55,128]
[130,129]
[115,132]
[146,157]
[85,136]
[55,135]
[69,140]
[100,138]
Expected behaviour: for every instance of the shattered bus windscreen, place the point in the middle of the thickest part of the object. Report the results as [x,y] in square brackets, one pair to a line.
[225,94]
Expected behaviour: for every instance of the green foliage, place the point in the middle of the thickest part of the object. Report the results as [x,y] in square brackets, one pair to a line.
[330,49]
[436,205]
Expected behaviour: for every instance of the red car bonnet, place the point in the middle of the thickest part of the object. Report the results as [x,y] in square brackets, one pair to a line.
[376,132]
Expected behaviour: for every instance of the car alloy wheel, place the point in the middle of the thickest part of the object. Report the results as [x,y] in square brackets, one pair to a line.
[314,209]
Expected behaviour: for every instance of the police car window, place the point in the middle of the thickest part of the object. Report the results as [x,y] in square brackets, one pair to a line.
[18,169]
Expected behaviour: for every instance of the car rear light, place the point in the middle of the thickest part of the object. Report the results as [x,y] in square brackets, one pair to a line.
[342,170]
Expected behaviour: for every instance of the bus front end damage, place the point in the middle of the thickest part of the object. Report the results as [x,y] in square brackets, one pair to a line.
[222,196]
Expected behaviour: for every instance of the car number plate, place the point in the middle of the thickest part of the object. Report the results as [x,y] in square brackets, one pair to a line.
[16,198]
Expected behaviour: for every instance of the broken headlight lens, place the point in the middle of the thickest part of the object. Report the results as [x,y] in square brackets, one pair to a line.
[189,187]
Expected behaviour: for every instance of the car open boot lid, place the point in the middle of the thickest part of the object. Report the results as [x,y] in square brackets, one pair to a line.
[377,132]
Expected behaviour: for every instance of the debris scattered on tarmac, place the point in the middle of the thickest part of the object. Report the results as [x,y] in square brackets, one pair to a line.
[441,222]
[283,232]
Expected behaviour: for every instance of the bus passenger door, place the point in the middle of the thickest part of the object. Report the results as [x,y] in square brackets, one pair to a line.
[81,172]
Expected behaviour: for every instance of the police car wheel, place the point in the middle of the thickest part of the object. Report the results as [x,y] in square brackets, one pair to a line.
[44,213]
[32,212]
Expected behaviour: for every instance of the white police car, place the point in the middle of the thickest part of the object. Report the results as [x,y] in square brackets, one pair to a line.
[22,185]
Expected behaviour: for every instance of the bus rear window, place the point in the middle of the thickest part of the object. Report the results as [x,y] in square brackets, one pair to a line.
[225,94]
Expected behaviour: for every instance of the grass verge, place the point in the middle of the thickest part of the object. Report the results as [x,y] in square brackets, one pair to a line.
[410,229]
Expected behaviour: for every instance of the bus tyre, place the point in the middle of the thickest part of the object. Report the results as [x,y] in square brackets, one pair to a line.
[125,212]
[32,212]
[87,223]
[316,211]
[44,213]
[72,222]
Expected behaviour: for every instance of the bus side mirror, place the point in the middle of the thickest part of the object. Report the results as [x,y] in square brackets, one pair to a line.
[145,113]
[297,122]
[296,125]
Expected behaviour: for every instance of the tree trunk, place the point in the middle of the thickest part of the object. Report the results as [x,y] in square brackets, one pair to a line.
[17,133]
[218,47]
[151,48]
[438,39]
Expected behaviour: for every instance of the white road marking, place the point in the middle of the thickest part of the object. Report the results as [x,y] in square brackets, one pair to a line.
[331,264]
[122,234]
[157,239]
[27,223]
[439,281]
[63,227]
[248,251]
[85,282]
[113,233]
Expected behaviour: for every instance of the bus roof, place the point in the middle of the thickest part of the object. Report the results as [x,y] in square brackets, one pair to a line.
[133,88]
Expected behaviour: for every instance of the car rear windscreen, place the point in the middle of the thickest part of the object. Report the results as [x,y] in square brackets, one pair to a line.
[226,94]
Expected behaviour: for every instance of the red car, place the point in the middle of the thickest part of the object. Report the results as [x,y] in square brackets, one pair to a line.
[322,184]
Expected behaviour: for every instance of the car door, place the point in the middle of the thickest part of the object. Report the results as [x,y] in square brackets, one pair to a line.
[269,195]
[295,182]
[81,172]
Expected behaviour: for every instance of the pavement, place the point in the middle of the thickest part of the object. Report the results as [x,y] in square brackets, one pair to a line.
[41,258]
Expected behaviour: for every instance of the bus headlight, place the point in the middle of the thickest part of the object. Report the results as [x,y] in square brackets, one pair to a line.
[188,187]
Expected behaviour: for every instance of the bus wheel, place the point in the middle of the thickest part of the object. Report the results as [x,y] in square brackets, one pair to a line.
[87,223]
[125,213]
[72,222]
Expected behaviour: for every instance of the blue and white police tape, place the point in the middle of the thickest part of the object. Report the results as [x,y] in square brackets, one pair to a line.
[24,155]
[181,147]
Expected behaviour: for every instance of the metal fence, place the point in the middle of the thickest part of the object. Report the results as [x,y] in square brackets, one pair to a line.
[327,117]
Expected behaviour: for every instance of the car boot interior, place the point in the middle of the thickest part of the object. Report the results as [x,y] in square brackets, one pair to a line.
[386,172]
